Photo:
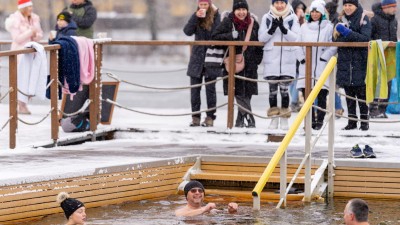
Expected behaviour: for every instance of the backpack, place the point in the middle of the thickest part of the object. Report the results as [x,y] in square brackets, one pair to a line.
[76,123]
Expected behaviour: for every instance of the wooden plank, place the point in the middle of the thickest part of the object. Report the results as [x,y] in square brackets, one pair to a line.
[243,195]
[366,169]
[263,165]
[244,169]
[77,181]
[366,184]
[239,177]
[368,179]
[369,173]
[366,195]
[101,195]
[49,196]
[368,190]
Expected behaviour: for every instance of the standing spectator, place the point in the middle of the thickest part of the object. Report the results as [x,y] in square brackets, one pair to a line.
[74,209]
[84,14]
[24,26]
[234,27]
[356,212]
[280,24]
[354,26]
[64,27]
[316,29]
[300,9]
[331,8]
[201,24]
[384,27]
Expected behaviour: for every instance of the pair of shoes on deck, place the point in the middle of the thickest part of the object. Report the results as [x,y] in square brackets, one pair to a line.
[208,122]
[367,152]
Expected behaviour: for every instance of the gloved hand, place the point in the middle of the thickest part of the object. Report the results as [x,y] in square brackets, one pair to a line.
[274,25]
[343,30]
[281,26]
[235,34]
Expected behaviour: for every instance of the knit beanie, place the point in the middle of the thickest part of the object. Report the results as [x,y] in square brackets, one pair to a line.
[354,2]
[208,1]
[24,3]
[69,205]
[388,3]
[237,4]
[318,6]
[285,1]
[192,184]
[64,15]
[331,7]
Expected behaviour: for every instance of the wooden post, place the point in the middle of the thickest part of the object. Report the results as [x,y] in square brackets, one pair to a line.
[94,90]
[307,124]
[54,95]
[308,71]
[231,85]
[13,100]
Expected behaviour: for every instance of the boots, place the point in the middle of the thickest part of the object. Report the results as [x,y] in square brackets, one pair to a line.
[251,123]
[208,122]
[195,121]
[284,123]
[239,120]
[285,115]
[274,123]
[364,125]
[351,124]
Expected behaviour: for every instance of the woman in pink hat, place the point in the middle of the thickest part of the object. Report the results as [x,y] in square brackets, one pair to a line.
[24,26]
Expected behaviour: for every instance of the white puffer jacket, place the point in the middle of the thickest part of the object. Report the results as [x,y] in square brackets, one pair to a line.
[315,32]
[279,60]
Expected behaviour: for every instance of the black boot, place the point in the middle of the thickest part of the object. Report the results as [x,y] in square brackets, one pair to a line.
[351,124]
[364,125]
[239,120]
[251,122]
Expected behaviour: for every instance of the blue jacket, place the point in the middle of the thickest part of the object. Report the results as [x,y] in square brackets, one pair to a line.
[68,63]
[69,30]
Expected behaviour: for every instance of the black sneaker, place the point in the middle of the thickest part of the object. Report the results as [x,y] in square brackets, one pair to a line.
[356,152]
[369,152]
[350,126]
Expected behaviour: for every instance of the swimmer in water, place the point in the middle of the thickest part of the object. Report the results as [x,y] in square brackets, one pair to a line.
[74,210]
[194,192]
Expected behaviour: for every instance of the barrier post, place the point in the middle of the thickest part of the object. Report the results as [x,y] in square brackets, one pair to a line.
[54,95]
[93,92]
[307,124]
[13,99]
[231,85]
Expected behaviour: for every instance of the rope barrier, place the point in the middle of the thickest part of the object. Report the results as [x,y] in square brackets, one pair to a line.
[112,76]
[23,93]
[148,72]
[48,85]
[363,101]
[2,128]
[6,94]
[36,123]
[81,110]
[155,114]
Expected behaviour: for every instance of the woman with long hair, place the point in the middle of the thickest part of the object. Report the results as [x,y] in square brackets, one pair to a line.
[234,27]
[201,24]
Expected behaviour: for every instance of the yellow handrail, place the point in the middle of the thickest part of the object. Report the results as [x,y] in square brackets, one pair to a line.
[288,137]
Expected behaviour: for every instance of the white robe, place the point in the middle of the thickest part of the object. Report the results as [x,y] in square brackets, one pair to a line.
[32,73]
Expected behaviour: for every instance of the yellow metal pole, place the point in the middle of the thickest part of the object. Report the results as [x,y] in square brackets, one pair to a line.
[296,124]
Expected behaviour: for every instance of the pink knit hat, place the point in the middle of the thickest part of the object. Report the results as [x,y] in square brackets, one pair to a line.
[24,3]
[208,1]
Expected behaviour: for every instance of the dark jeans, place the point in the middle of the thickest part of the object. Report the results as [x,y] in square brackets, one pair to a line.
[195,97]
[357,92]
[321,102]
[283,89]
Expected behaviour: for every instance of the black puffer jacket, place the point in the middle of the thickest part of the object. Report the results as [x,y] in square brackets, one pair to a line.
[352,62]
[252,56]
[196,63]
[383,26]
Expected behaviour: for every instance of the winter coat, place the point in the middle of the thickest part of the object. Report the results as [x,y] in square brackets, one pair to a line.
[315,31]
[84,16]
[196,63]
[19,27]
[32,73]
[383,26]
[352,62]
[69,30]
[68,64]
[252,55]
[278,60]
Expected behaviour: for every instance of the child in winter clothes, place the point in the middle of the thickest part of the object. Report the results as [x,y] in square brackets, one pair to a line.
[280,24]
[202,23]
[316,29]
[234,27]
[65,26]
[24,26]
[354,26]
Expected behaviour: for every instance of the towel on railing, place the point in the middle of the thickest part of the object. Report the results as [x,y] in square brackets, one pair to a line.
[398,70]
[381,68]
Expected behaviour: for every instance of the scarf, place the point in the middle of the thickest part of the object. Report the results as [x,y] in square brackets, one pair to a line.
[241,25]
[282,14]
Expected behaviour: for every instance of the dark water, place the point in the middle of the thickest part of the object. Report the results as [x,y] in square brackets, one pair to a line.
[162,212]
